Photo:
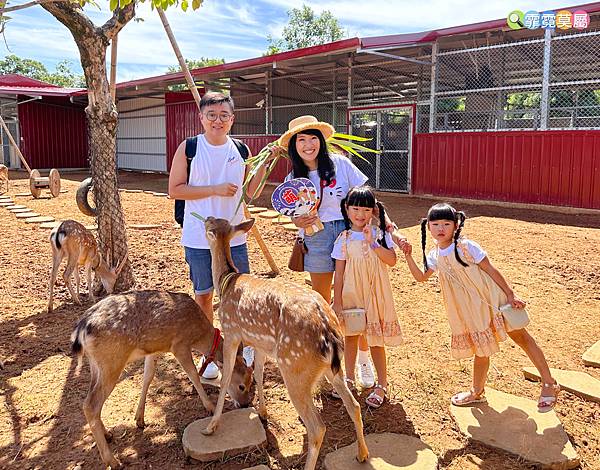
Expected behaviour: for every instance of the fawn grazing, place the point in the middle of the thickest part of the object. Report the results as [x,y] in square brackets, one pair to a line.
[73,241]
[123,327]
[288,322]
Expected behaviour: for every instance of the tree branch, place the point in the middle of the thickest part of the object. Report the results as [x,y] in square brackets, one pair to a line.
[71,15]
[121,16]
[25,5]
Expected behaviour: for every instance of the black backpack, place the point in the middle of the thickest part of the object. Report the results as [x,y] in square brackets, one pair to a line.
[190,152]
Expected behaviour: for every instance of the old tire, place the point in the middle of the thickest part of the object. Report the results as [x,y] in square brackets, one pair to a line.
[82,198]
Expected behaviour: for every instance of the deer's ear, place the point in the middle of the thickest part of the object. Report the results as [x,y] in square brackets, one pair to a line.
[211,235]
[242,227]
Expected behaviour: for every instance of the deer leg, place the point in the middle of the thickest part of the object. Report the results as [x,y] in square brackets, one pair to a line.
[56,259]
[229,352]
[149,370]
[90,279]
[300,388]
[183,354]
[259,369]
[102,384]
[71,265]
[77,280]
[353,409]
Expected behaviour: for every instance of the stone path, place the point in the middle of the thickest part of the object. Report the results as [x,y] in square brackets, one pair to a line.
[144,226]
[239,431]
[25,215]
[387,451]
[290,227]
[269,214]
[592,356]
[20,211]
[15,207]
[514,424]
[39,219]
[282,220]
[257,210]
[53,224]
[578,383]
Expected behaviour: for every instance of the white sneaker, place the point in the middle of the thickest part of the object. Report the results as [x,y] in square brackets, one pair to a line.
[365,374]
[211,372]
[248,354]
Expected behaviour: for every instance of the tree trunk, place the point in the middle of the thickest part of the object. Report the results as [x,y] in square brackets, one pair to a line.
[102,117]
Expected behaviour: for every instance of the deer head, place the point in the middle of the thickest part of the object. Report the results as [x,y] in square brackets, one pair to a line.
[109,275]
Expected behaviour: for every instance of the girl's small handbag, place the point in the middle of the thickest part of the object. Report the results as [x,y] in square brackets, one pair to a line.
[514,318]
[355,321]
[296,262]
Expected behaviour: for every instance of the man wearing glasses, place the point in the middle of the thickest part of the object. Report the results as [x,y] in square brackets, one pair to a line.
[214,188]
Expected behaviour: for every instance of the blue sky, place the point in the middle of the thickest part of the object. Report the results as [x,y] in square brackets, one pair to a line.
[238,29]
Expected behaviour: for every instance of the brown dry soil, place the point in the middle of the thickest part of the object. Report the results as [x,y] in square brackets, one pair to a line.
[551,259]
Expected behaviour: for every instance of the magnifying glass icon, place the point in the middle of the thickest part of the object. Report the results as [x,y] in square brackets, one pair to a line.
[516,19]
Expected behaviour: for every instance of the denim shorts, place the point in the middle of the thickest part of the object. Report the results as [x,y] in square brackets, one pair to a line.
[199,261]
[320,245]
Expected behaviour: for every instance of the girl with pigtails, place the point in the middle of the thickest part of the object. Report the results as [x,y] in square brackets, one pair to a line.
[473,292]
[362,255]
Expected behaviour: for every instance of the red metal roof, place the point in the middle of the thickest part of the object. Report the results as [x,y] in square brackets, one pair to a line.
[15,84]
[430,36]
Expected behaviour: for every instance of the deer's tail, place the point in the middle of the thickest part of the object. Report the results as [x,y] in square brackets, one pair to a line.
[78,338]
[332,343]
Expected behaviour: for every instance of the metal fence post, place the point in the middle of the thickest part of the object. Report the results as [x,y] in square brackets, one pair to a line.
[546,79]
[267,104]
[434,51]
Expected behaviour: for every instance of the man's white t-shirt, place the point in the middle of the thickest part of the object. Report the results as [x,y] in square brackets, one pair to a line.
[476,253]
[347,175]
[212,165]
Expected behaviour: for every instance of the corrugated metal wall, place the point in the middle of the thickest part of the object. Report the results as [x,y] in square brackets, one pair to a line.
[539,167]
[141,137]
[53,134]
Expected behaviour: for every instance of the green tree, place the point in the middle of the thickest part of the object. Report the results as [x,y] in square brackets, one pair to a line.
[196,64]
[304,29]
[62,76]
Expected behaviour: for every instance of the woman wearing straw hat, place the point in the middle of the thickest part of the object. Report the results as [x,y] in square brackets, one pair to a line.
[306,144]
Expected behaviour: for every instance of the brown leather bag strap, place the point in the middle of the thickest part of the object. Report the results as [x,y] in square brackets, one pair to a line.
[321,182]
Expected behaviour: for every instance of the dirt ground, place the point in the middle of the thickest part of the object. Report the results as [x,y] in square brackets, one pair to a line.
[551,259]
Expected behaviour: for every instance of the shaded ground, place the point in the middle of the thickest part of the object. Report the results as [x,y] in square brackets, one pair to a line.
[551,259]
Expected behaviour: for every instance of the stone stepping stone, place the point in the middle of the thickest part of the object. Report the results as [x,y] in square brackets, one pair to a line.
[144,226]
[52,224]
[91,227]
[26,215]
[290,227]
[23,195]
[592,356]
[269,214]
[239,431]
[257,467]
[16,207]
[257,210]
[7,203]
[282,220]
[146,191]
[578,383]
[514,424]
[159,194]
[133,190]
[63,191]
[39,219]
[387,451]
[20,211]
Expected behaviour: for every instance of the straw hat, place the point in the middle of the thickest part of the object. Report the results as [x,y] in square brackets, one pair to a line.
[303,123]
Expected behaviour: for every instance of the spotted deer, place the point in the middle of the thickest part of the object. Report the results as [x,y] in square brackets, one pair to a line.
[287,322]
[73,241]
[124,327]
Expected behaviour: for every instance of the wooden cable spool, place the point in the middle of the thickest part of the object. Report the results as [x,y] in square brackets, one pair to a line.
[38,182]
